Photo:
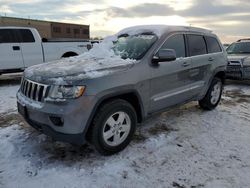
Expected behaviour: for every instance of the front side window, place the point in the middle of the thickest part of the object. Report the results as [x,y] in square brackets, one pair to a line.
[176,43]
[133,46]
[7,36]
[239,48]
[196,45]
[212,45]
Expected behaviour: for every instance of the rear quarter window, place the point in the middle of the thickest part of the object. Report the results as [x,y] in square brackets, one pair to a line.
[26,36]
[196,45]
[212,45]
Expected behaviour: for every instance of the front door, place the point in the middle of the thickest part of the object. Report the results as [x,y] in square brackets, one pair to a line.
[168,80]
[10,51]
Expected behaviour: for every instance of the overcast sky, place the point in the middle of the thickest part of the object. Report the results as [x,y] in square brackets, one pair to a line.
[230,19]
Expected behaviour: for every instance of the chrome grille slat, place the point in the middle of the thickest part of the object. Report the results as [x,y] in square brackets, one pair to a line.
[37,93]
[24,82]
[26,89]
[34,90]
[44,91]
[24,86]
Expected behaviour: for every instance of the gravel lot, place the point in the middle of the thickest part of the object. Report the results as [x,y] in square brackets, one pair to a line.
[184,147]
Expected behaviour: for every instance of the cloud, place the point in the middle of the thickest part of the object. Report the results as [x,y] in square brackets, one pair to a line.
[231,17]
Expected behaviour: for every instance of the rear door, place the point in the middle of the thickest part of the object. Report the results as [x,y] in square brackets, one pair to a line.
[168,86]
[10,51]
[31,49]
[215,51]
[201,63]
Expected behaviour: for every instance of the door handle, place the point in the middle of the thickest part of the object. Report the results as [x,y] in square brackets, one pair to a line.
[210,59]
[186,64]
[16,48]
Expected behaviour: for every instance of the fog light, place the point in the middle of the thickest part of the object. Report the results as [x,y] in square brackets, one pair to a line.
[57,121]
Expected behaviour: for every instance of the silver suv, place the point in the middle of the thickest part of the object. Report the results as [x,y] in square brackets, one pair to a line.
[101,96]
[239,60]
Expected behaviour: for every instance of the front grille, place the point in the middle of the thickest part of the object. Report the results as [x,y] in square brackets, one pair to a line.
[233,68]
[236,63]
[34,90]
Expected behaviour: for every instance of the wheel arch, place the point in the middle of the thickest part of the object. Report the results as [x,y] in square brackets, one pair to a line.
[221,75]
[131,96]
[69,54]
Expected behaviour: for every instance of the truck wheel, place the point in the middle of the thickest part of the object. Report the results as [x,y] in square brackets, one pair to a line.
[213,95]
[113,127]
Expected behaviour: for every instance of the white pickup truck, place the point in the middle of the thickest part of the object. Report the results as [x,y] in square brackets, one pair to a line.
[21,47]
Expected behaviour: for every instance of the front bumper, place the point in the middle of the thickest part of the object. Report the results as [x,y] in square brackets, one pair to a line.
[74,114]
[238,72]
[234,72]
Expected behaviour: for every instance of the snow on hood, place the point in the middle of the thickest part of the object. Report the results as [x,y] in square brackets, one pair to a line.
[99,61]
[158,30]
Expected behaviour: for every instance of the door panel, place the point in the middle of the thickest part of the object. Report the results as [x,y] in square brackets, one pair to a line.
[200,63]
[168,79]
[10,53]
[168,86]
[31,49]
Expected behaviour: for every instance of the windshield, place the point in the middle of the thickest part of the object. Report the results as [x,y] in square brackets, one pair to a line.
[239,48]
[135,46]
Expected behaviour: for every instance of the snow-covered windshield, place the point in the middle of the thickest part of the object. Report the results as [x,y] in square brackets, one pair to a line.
[239,48]
[135,46]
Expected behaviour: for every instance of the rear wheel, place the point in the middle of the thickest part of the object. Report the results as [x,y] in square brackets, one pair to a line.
[113,127]
[213,95]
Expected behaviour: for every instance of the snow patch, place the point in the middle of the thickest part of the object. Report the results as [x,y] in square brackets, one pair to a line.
[8,98]
[158,30]
[99,61]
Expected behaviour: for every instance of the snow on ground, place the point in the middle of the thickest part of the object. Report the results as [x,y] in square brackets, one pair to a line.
[8,89]
[184,147]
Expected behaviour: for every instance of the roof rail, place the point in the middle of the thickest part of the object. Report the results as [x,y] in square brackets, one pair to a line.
[198,29]
[243,39]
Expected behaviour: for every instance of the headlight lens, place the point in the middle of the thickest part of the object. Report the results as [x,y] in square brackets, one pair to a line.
[66,92]
[246,62]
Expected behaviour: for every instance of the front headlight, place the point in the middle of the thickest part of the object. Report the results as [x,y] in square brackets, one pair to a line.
[246,62]
[66,92]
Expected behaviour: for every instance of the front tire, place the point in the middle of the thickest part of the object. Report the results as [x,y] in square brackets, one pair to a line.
[213,95]
[113,127]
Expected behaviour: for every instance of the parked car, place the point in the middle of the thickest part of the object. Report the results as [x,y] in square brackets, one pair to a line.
[22,47]
[101,96]
[239,60]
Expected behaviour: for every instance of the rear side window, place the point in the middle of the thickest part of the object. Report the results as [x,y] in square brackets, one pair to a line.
[7,36]
[176,43]
[26,35]
[212,45]
[196,45]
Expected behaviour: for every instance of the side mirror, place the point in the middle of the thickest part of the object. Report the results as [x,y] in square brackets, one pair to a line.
[44,40]
[164,55]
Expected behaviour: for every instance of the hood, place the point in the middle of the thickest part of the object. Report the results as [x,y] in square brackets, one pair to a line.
[237,57]
[243,60]
[99,61]
[74,69]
